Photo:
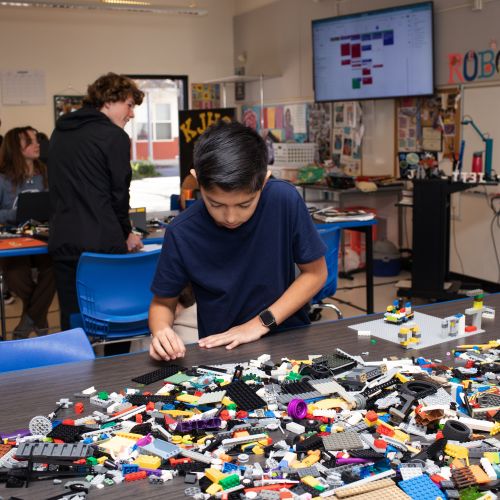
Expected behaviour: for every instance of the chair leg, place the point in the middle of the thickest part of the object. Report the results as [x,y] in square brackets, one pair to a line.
[335,308]
[315,311]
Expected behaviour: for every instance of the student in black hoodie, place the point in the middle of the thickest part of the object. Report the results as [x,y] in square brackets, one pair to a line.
[89,181]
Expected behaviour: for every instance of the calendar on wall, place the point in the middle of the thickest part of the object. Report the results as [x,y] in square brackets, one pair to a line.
[23,87]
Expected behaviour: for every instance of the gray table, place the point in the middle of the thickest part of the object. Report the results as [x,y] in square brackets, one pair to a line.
[27,393]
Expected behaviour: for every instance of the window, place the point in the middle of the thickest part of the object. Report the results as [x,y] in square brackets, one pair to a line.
[162,122]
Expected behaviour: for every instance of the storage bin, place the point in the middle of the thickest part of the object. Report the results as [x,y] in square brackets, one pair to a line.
[386,259]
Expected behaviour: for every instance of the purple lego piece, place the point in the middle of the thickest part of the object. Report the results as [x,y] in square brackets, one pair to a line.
[297,408]
[189,425]
[15,434]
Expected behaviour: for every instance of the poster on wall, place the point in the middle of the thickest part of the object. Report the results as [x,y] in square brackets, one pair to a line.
[205,95]
[192,123]
[288,123]
[320,128]
[66,104]
[347,136]
[430,124]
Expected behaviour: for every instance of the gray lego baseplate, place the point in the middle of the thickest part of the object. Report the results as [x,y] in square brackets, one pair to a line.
[342,441]
[211,397]
[430,329]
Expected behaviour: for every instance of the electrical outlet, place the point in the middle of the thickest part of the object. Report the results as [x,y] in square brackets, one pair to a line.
[455,206]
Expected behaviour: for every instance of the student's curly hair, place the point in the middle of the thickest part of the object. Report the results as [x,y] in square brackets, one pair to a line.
[112,88]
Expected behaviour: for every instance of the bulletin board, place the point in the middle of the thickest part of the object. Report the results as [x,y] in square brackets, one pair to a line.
[428,124]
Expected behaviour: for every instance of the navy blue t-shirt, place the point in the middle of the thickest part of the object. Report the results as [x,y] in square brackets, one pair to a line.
[237,273]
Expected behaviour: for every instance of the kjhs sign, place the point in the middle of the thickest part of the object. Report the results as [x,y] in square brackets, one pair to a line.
[472,66]
[192,123]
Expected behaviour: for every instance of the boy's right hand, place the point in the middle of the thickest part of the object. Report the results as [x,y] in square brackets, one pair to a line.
[166,345]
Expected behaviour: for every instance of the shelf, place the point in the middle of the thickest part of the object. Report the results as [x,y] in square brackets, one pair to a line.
[241,78]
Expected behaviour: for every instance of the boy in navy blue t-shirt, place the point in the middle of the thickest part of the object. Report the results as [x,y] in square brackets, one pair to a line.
[238,247]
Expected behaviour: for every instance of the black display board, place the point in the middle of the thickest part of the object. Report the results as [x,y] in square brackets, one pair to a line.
[192,123]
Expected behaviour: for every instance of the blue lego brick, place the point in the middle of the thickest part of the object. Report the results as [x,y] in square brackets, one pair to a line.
[421,488]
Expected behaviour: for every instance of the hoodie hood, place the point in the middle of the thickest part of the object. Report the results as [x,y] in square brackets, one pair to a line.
[81,117]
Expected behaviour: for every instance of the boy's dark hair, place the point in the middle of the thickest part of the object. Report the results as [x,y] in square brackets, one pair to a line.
[112,88]
[232,157]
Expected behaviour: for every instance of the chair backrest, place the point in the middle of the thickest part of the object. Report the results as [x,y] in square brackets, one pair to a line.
[331,236]
[116,284]
[57,348]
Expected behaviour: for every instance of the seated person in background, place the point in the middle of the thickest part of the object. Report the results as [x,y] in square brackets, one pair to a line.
[238,247]
[20,171]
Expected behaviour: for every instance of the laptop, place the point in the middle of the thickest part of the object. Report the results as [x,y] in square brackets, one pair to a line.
[33,206]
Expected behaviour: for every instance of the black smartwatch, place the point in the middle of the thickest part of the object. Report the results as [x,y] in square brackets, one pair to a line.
[268,320]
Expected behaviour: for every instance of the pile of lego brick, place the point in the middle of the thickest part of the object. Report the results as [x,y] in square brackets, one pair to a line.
[330,426]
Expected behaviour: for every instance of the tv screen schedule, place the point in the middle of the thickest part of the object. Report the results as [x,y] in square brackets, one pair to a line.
[385,53]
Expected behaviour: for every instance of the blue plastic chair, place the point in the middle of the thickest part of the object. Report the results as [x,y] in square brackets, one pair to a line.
[114,293]
[331,236]
[57,348]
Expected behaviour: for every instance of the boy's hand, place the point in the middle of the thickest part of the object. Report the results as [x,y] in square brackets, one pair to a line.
[242,334]
[166,345]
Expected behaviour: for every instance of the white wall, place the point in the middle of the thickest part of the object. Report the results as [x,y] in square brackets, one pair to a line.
[277,40]
[74,47]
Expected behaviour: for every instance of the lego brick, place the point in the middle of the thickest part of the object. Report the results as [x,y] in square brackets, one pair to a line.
[211,397]
[389,493]
[139,399]
[440,397]
[364,488]
[335,362]
[421,488]
[244,396]
[161,448]
[50,450]
[342,441]
[155,376]
[179,378]
[66,433]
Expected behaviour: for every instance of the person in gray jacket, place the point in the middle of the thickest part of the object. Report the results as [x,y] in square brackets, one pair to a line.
[22,171]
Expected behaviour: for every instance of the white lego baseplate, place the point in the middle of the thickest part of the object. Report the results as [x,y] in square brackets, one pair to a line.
[430,328]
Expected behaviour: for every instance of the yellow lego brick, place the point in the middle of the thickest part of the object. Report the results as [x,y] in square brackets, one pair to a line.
[178,413]
[148,461]
[116,444]
[402,378]
[329,403]
[457,451]
[176,439]
[495,429]
[188,398]
[310,460]
[129,435]
[102,459]
[492,456]
[258,450]
[213,489]
[227,401]
[214,475]
[310,481]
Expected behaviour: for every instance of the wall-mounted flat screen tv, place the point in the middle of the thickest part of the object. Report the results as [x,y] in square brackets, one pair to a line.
[376,54]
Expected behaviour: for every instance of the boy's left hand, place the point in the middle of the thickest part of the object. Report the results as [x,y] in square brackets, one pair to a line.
[242,334]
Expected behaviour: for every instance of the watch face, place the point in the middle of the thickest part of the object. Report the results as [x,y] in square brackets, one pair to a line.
[267,318]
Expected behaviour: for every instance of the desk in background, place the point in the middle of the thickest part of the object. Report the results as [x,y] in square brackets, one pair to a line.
[27,393]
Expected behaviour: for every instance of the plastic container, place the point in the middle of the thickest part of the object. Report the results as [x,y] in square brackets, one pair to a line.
[386,259]
[356,240]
